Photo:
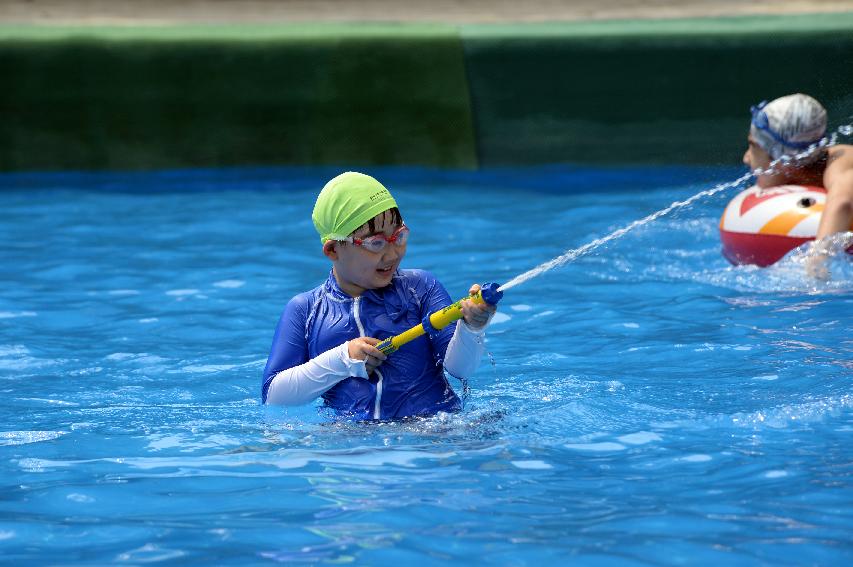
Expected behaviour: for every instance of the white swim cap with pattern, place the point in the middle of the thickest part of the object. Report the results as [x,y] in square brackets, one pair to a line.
[788,125]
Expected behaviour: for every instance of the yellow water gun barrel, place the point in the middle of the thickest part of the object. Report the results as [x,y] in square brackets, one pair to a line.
[490,293]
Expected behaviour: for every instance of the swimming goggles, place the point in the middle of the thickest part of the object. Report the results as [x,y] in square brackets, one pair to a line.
[760,121]
[378,242]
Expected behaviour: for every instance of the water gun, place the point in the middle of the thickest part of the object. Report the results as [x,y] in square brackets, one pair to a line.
[490,293]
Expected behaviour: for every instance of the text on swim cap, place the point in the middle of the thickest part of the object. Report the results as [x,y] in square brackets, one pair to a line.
[379,194]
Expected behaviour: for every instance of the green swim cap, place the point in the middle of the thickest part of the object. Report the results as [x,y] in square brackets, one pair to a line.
[347,202]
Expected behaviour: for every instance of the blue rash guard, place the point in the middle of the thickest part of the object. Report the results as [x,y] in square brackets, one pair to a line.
[410,382]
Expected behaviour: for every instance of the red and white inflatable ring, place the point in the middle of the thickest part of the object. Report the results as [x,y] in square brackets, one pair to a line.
[760,226]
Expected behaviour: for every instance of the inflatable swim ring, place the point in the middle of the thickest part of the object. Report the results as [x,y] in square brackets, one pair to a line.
[760,226]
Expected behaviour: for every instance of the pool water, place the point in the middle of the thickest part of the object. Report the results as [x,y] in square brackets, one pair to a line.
[647,404]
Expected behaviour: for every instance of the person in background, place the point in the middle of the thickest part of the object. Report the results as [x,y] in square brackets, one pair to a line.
[325,342]
[788,126]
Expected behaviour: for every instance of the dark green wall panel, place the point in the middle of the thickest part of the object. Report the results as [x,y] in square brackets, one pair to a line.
[641,97]
[147,103]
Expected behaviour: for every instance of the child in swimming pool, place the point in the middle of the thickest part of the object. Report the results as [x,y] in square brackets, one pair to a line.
[325,342]
[788,126]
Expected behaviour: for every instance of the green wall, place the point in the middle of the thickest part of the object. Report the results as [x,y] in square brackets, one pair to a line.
[647,92]
[161,98]
[667,92]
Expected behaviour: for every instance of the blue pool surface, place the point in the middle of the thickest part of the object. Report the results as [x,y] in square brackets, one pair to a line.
[647,404]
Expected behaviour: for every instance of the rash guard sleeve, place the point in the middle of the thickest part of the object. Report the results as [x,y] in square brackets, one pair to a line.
[457,347]
[289,344]
[465,350]
[290,378]
[301,384]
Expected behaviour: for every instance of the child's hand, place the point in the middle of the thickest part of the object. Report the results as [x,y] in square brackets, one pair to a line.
[817,260]
[476,315]
[816,267]
[364,348]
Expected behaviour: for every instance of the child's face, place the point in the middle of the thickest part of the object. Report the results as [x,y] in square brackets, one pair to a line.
[358,269]
[756,157]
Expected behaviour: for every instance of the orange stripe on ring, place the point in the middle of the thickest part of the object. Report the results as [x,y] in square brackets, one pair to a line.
[784,223]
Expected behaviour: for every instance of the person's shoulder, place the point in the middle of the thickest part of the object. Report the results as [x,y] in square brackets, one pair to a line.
[302,301]
[421,282]
[841,154]
[417,276]
[839,165]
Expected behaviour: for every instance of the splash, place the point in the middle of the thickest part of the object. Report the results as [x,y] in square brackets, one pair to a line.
[574,253]
[833,275]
